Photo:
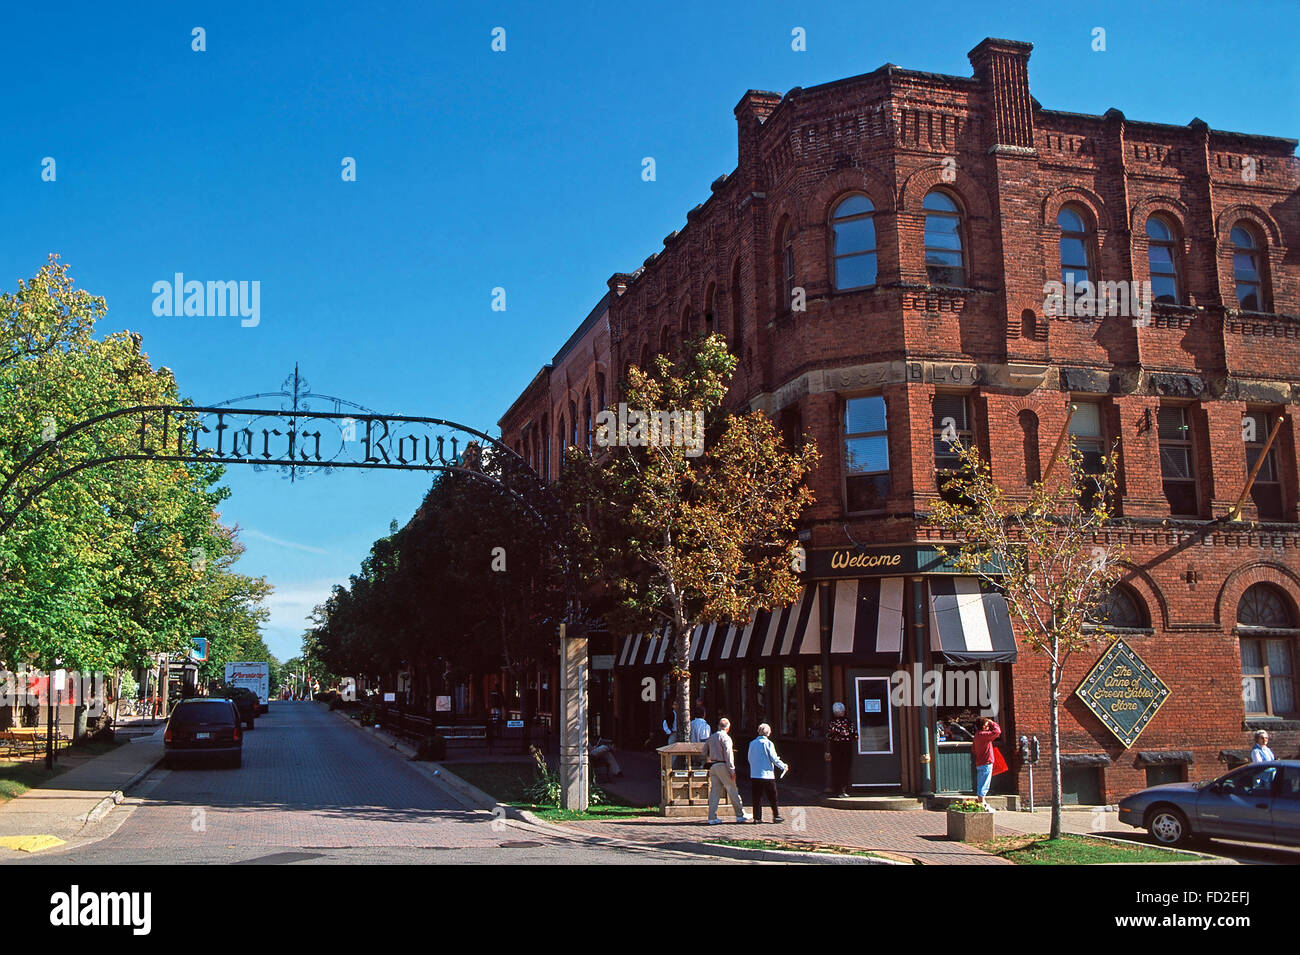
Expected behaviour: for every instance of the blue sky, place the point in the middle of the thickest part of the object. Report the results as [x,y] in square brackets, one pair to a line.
[475,169]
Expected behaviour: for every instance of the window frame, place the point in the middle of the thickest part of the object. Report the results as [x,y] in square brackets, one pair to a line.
[1265,418]
[846,436]
[1085,238]
[1256,252]
[1263,635]
[1193,463]
[873,251]
[1173,243]
[1100,441]
[785,266]
[962,244]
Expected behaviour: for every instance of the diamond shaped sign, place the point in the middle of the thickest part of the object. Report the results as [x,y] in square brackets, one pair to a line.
[1123,692]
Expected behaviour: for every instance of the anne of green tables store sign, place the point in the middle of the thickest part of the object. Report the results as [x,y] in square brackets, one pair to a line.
[1123,692]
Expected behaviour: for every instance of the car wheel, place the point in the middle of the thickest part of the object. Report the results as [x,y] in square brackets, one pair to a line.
[1168,826]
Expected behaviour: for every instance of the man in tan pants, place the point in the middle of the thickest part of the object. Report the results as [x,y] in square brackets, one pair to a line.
[722,773]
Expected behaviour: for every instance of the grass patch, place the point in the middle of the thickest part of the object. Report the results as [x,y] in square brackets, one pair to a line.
[507,782]
[1079,850]
[781,845]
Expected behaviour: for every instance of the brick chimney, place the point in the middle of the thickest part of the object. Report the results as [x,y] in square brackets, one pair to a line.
[751,113]
[1002,69]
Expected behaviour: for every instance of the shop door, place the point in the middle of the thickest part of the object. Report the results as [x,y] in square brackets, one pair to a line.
[876,762]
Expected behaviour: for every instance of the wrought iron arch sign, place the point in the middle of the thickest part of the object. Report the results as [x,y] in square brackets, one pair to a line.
[288,438]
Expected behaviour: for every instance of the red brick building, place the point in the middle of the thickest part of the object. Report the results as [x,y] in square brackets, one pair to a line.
[879,260]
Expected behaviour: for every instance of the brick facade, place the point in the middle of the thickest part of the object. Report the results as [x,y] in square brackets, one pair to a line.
[1010,167]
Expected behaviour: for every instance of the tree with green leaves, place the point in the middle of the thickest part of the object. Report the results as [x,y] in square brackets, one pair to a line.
[112,563]
[682,533]
[1047,551]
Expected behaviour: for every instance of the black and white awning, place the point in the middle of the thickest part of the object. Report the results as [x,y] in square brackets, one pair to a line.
[969,623]
[866,627]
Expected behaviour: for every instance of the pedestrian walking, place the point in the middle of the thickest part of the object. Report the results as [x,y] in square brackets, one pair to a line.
[986,731]
[1261,753]
[840,733]
[700,729]
[764,764]
[722,773]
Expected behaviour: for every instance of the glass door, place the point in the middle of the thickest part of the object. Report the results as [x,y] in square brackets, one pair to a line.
[876,761]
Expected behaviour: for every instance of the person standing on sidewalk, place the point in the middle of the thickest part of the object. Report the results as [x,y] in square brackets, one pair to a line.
[1261,753]
[722,773]
[763,765]
[700,730]
[986,731]
[840,733]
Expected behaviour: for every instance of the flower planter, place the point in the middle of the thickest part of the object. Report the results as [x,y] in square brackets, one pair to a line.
[970,826]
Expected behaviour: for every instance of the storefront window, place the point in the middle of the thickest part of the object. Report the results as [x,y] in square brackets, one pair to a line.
[761,698]
[812,687]
[722,698]
[789,702]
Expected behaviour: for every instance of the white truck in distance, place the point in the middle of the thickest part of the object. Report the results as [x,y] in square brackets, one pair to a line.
[252,676]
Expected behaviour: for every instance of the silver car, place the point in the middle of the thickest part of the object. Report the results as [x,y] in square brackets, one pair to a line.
[1258,802]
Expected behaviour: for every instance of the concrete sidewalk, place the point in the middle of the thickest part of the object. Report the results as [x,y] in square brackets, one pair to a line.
[72,803]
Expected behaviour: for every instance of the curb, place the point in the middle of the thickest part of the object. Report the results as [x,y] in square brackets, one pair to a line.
[782,855]
[117,796]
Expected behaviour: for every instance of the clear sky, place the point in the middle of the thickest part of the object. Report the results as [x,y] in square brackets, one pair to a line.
[474,169]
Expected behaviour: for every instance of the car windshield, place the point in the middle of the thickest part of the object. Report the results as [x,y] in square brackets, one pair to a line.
[215,711]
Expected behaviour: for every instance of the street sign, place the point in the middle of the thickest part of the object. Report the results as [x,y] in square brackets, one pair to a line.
[390,697]
[602,661]
[199,650]
[442,704]
[514,724]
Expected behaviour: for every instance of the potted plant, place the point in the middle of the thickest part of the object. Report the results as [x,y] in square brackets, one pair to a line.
[970,821]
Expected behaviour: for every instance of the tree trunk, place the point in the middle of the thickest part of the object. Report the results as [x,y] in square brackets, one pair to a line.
[1055,728]
[682,707]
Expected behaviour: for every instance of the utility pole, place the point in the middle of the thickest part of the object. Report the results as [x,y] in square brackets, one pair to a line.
[573,734]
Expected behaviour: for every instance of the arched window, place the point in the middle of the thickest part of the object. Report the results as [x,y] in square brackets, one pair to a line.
[688,325]
[1033,460]
[787,283]
[1264,606]
[559,436]
[546,449]
[573,421]
[665,341]
[1267,629]
[944,263]
[1028,324]
[1163,258]
[1075,246]
[1120,609]
[737,312]
[710,302]
[600,391]
[586,418]
[1245,269]
[854,232]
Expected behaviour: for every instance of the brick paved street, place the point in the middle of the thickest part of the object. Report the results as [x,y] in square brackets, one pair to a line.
[314,788]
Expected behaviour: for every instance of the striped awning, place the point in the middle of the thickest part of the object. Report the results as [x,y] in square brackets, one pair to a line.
[866,627]
[969,623]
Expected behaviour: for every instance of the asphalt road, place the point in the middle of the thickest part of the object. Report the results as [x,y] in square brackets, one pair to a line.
[314,790]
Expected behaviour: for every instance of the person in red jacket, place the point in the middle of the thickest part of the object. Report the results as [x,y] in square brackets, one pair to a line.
[986,731]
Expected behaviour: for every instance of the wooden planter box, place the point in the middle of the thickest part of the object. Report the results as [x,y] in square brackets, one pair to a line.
[970,826]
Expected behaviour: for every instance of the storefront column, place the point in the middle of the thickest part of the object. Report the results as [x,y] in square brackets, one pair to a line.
[918,656]
[824,595]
